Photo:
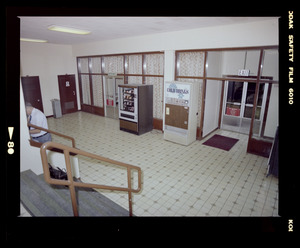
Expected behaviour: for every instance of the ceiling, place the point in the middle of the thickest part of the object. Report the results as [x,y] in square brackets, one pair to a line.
[107,28]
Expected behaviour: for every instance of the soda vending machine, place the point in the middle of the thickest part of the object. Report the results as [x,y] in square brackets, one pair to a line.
[181,111]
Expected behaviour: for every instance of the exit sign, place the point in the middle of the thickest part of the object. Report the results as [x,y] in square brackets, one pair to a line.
[243,72]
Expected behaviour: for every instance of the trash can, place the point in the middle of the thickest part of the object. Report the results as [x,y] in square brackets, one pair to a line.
[56,108]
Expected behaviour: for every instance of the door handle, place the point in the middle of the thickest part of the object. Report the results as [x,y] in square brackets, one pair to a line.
[73,92]
[38,100]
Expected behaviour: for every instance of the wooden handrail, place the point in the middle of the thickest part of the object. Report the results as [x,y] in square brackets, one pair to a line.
[56,133]
[70,182]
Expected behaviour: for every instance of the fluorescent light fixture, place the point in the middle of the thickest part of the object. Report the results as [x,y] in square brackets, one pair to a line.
[33,40]
[68,30]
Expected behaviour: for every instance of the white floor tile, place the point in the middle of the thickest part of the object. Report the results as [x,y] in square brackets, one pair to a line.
[194,180]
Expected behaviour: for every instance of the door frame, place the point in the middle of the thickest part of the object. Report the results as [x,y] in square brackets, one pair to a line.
[115,90]
[243,103]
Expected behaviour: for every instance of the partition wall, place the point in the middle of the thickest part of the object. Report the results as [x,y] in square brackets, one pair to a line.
[238,87]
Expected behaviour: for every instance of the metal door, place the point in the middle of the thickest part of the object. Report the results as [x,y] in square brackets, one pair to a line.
[67,93]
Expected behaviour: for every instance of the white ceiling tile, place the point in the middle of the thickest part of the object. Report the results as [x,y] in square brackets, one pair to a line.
[106,28]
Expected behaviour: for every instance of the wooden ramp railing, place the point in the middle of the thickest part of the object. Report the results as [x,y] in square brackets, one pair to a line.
[72,184]
[67,151]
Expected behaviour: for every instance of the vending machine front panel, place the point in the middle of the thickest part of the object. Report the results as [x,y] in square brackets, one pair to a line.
[177,116]
[128,103]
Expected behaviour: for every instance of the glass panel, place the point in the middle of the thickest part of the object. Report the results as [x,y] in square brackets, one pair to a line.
[119,81]
[233,110]
[96,64]
[233,61]
[231,123]
[127,98]
[272,114]
[257,112]
[214,64]
[252,61]
[135,80]
[134,64]
[97,90]
[113,64]
[190,64]
[230,62]
[84,65]
[250,93]
[154,64]
[235,92]
[248,112]
[85,85]
[270,64]
[260,94]
[250,100]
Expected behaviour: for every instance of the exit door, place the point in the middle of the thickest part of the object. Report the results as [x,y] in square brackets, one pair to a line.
[67,93]
[238,106]
[32,91]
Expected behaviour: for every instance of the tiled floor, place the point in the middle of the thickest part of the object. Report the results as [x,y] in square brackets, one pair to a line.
[194,180]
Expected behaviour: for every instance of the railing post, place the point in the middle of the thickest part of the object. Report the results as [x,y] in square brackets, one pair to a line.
[70,179]
[70,182]
[129,190]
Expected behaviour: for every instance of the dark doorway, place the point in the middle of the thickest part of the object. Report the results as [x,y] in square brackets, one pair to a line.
[67,92]
[32,91]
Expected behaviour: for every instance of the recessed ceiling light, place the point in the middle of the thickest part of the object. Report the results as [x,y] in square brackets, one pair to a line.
[68,30]
[33,40]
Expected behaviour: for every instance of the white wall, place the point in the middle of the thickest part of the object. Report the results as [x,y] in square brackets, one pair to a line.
[263,33]
[47,61]
[236,35]
[30,157]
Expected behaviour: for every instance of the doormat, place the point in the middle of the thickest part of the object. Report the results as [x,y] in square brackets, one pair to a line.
[221,142]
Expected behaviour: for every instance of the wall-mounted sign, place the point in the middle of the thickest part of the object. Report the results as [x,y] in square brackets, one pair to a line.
[243,72]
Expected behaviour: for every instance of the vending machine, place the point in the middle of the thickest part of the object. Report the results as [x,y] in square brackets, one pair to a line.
[136,108]
[181,111]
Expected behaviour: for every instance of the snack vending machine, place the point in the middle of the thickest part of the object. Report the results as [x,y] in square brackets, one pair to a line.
[136,108]
[181,111]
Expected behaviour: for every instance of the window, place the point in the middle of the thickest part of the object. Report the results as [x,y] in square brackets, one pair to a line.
[138,68]
[190,64]
[223,65]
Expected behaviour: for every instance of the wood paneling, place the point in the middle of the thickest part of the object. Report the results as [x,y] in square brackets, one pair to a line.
[157,124]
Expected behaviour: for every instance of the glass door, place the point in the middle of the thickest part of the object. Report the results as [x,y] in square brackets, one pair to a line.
[232,106]
[238,106]
[111,98]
